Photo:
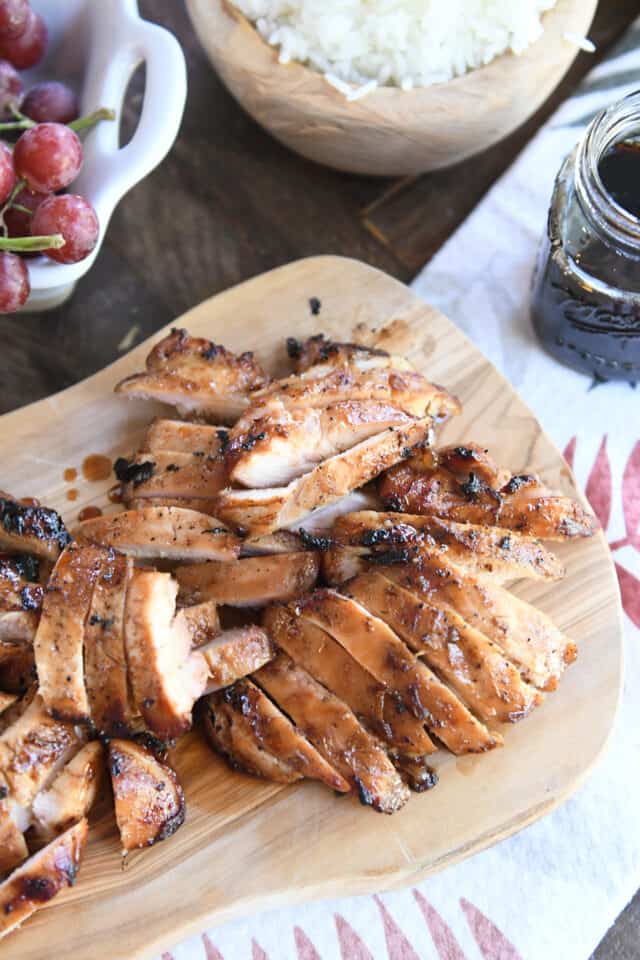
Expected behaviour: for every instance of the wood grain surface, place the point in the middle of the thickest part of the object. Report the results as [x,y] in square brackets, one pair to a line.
[249,845]
[391,131]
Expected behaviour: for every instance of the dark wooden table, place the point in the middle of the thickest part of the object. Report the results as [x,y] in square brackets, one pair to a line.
[229,203]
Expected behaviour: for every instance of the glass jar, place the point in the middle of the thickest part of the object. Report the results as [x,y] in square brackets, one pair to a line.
[586,290]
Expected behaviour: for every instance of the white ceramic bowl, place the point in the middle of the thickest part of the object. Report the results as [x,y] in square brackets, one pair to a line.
[95,45]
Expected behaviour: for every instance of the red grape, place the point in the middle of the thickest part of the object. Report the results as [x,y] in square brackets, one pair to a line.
[51,102]
[75,219]
[10,89]
[14,282]
[7,173]
[19,223]
[48,157]
[14,17]
[29,48]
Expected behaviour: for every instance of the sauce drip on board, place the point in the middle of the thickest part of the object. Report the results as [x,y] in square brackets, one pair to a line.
[96,467]
[72,494]
[88,513]
[70,474]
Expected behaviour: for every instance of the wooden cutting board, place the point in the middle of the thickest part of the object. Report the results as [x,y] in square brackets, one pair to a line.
[249,845]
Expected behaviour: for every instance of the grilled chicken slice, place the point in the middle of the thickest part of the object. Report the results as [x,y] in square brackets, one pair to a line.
[404,390]
[196,376]
[256,737]
[273,443]
[471,664]
[166,677]
[59,640]
[13,846]
[235,654]
[263,511]
[72,793]
[434,483]
[179,436]
[18,626]
[336,732]
[329,663]
[250,582]
[169,533]
[7,700]
[281,541]
[504,554]
[204,505]
[379,650]
[28,529]
[17,664]
[20,588]
[43,876]
[32,750]
[202,622]
[170,475]
[526,635]
[149,802]
[105,662]
[318,351]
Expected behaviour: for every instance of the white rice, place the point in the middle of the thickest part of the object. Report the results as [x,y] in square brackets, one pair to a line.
[404,43]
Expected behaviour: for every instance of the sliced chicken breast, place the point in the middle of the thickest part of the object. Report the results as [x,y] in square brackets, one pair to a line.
[380,651]
[18,627]
[32,751]
[196,376]
[319,351]
[20,587]
[329,663]
[503,554]
[405,390]
[256,737]
[105,662]
[169,533]
[263,511]
[166,677]
[7,700]
[249,582]
[149,802]
[336,732]
[13,846]
[179,436]
[72,793]
[28,529]
[43,876]
[464,658]
[59,640]
[17,663]
[526,635]
[200,505]
[170,475]
[273,443]
[281,541]
[235,654]
[202,621]
[432,483]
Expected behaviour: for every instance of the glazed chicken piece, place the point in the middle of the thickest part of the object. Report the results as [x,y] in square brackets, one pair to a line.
[235,654]
[200,505]
[6,700]
[105,662]
[18,626]
[256,737]
[169,533]
[202,621]
[169,475]
[329,663]
[377,648]
[13,846]
[72,794]
[59,640]
[475,668]
[32,530]
[527,636]
[249,582]
[504,554]
[20,587]
[32,751]
[149,802]
[318,351]
[336,732]
[14,710]
[43,876]
[273,443]
[279,542]
[464,485]
[404,390]
[165,676]
[180,436]
[263,511]
[198,377]
[17,663]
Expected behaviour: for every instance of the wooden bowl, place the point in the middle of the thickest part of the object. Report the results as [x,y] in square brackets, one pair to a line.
[390,131]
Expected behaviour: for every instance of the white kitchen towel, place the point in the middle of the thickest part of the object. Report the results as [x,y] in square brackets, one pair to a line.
[552,891]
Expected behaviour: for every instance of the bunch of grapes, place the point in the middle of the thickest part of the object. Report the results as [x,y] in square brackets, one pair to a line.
[45,159]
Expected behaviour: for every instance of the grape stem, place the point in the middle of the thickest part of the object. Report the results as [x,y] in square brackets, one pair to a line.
[14,193]
[30,244]
[82,123]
